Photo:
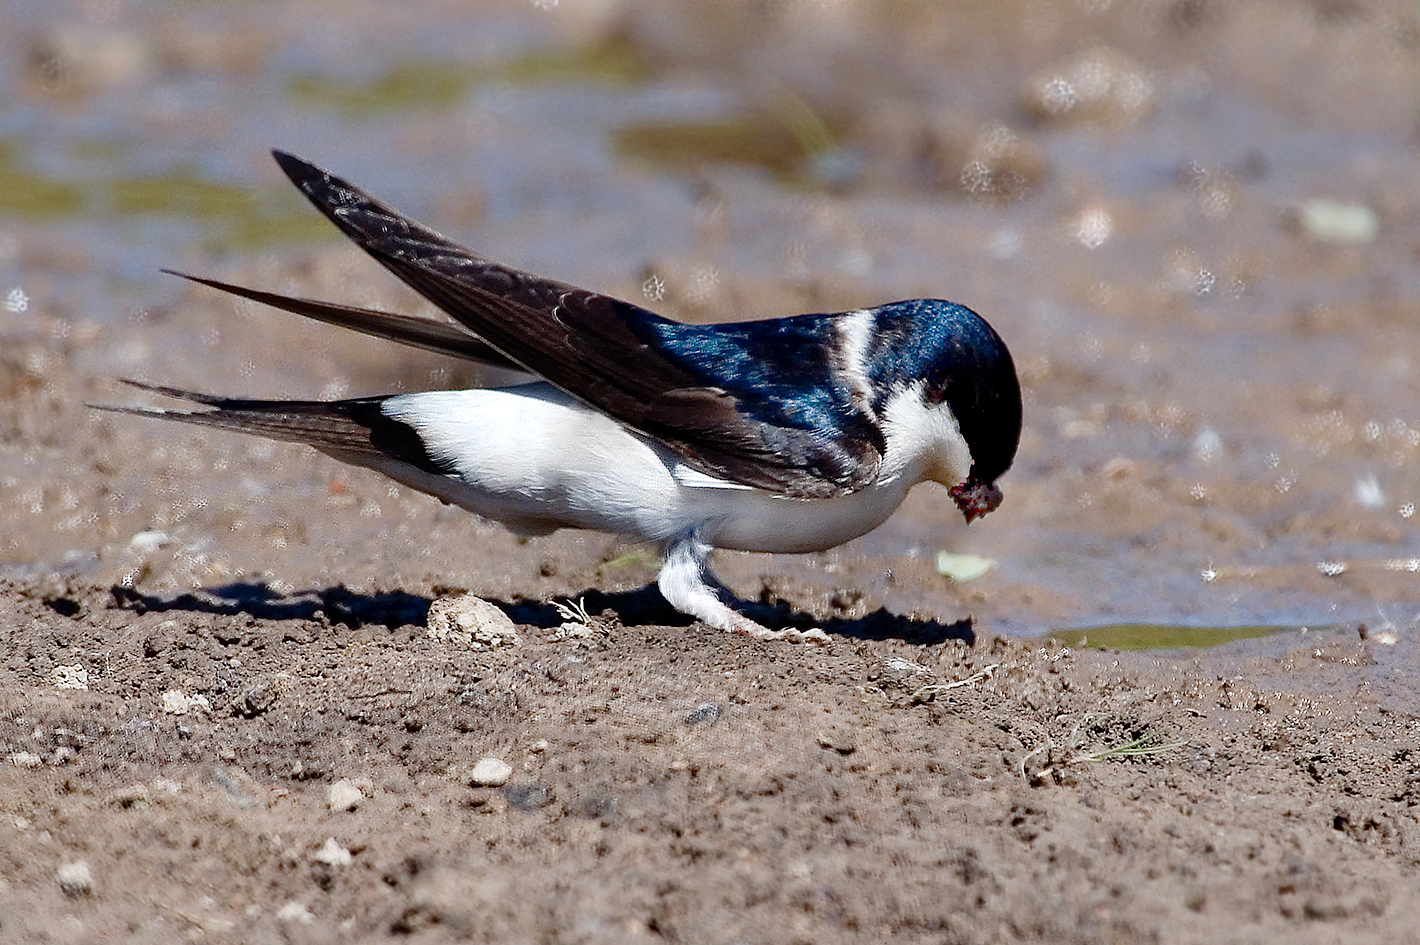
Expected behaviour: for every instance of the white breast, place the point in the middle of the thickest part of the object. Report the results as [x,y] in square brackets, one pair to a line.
[537,459]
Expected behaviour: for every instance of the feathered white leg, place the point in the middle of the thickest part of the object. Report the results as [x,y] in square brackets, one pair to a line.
[684,586]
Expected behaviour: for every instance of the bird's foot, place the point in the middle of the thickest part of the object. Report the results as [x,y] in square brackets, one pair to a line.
[739,623]
[688,588]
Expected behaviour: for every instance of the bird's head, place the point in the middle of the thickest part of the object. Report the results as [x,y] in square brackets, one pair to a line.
[959,399]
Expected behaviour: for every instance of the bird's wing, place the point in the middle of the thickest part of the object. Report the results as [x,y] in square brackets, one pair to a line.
[670,381]
[439,337]
[357,430]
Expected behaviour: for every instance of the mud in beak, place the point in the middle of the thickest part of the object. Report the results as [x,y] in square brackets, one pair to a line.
[975,498]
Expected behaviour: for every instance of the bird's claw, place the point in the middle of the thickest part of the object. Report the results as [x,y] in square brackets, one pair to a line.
[739,623]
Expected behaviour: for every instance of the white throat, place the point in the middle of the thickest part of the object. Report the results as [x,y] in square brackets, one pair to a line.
[924,443]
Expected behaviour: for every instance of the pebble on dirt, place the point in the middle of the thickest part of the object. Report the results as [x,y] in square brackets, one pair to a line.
[76,879]
[71,677]
[1337,222]
[472,622]
[177,702]
[527,797]
[332,854]
[294,911]
[490,772]
[344,795]
[706,713]
[133,797]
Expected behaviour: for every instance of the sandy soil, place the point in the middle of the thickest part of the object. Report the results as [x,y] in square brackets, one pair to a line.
[670,783]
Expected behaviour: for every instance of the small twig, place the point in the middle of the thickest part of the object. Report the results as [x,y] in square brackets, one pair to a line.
[573,612]
[932,689]
[212,925]
[1138,748]
[1028,755]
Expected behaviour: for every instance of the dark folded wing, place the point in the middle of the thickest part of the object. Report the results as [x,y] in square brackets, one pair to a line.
[615,356]
[350,428]
[423,333]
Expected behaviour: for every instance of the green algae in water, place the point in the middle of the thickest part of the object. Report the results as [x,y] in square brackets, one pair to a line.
[181,193]
[32,195]
[1154,636]
[743,139]
[231,217]
[787,139]
[424,84]
[432,84]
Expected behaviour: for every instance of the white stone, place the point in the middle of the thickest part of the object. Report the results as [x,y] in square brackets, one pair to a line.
[177,702]
[1334,221]
[962,567]
[75,878]
[71,677]
[490,772]
[145,543]
[344,795]
[332,854]
[472,622]
[294,911]
[25,759]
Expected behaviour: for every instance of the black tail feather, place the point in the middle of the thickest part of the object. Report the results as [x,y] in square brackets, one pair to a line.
[439,337]
[344,425]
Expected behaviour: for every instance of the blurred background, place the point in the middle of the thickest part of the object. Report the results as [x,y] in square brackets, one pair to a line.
[1195,222]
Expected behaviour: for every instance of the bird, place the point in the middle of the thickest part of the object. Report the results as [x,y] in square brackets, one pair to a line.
[779,435]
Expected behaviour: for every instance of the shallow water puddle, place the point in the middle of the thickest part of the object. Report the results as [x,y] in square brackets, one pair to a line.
[1160,636]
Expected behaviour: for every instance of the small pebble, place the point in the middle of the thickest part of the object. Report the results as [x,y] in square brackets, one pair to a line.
[294,911]
[705,713]
[344,795]
[490,772]
[145,543]
[71,677]
[527,796]
[256,700]
[135,796]
[332,854]
[905,674]
[1332,221]
[75,879]
[177,702]
[962,567]
[470,621]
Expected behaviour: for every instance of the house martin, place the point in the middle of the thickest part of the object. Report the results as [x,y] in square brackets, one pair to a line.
[784,435]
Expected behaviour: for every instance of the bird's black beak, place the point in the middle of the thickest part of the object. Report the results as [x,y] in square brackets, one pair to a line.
[975,498]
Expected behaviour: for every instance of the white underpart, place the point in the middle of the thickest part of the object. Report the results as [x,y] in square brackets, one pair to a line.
[537,460]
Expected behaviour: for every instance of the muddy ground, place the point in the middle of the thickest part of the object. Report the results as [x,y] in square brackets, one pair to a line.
[908,781]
